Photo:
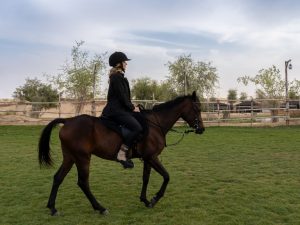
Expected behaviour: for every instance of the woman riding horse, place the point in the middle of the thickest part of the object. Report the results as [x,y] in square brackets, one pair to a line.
[119,107]
[84,135]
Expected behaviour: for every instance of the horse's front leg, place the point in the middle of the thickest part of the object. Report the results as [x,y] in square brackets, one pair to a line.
[146,175]
[156,164]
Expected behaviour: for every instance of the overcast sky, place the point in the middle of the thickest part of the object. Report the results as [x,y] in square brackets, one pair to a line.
[239,37]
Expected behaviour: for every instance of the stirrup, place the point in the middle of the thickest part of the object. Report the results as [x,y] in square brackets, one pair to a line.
[128,164]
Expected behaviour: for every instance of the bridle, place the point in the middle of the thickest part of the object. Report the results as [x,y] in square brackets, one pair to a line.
[196,123]
[196,129]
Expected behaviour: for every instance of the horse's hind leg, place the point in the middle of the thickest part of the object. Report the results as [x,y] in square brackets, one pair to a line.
[58,179]
[83,183]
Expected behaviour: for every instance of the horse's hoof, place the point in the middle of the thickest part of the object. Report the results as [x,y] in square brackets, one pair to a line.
[53,212]
[56,213]
[145,201]
[150,206]
[105,212]
[152,203]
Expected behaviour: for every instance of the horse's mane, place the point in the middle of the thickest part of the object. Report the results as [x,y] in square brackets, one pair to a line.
[171,103]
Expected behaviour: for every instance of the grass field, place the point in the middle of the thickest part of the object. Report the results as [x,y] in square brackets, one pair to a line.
[229,175]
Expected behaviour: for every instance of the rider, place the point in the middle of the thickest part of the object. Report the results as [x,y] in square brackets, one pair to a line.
[119,107]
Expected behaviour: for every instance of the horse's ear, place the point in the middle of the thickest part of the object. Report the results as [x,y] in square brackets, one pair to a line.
[194,96]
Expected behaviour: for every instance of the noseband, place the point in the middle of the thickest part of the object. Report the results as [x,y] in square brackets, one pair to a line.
[198,129]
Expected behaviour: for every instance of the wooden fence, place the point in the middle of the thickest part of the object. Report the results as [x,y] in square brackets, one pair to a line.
[218,113]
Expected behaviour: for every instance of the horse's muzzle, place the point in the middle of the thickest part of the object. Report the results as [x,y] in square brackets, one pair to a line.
[199,130]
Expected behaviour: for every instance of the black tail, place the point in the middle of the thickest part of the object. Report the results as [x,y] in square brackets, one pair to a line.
[44,147]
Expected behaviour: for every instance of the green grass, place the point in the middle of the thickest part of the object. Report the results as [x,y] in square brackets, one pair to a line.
[229,175]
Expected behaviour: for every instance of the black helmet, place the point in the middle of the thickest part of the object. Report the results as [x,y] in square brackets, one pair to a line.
[117,57]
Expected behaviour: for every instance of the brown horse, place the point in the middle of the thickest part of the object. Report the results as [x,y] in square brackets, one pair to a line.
[84,135]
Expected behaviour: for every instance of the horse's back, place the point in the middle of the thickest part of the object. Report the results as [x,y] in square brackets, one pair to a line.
[88,134]
[76,131]
[77,127]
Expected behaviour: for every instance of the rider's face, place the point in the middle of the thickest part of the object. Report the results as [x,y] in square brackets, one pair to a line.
[124,65]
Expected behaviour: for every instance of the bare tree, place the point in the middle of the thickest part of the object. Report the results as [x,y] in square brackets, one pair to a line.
[81,77]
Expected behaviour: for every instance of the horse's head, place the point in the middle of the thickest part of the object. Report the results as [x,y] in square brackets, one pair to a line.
[192,113]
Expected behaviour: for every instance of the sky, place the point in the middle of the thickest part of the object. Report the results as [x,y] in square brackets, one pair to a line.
[239,37]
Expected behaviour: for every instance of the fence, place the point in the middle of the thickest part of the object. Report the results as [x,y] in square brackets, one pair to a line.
[253,112]
[218,113]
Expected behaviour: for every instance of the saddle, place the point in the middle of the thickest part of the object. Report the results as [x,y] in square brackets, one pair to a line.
[122,130]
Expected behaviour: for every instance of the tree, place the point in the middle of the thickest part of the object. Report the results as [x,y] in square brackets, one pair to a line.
[260,94]
[144,88]
[268,82]
[181,74]
[206,79]
[294,92]
[186,75]
[82,76]
[42,95]
[165,92]
[243,96]
[232,95]
[269,85]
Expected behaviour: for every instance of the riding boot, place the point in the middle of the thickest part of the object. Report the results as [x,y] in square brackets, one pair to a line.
[123,157]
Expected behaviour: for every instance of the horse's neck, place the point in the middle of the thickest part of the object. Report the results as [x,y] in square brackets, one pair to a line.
[167,118]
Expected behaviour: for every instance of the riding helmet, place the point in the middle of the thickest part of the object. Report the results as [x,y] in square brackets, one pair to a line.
[117,57]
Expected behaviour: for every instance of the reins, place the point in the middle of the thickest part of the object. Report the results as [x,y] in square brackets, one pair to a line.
[181,138]
[163,132]
[173,130]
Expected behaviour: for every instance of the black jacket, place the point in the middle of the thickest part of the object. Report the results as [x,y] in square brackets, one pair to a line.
[118,97]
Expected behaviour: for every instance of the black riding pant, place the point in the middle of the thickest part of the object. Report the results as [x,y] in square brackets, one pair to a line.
[129,122]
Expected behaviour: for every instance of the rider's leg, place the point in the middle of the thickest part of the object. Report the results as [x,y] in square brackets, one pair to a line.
[123,157]
[133,130]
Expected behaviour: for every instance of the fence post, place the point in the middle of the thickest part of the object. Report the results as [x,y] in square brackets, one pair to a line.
[207,103]
[287,106]
[252,114]
[59,105]
[94,90]
[218,108]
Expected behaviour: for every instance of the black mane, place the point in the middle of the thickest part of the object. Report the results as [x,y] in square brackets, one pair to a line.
[171,103]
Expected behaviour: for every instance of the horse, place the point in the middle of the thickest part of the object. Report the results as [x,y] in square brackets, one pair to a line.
[84,135]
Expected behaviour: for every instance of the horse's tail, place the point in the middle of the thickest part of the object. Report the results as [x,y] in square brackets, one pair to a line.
[44,147]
